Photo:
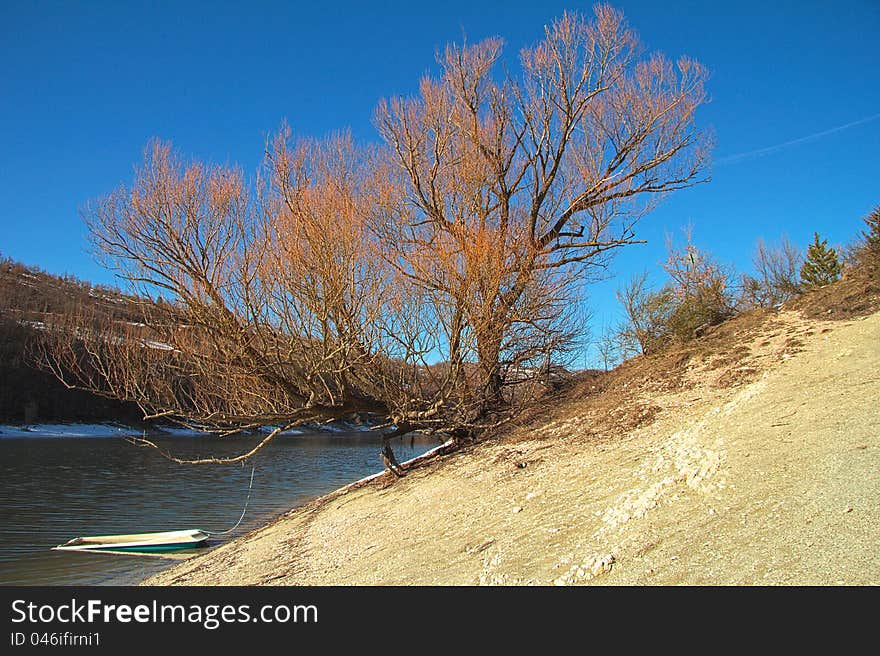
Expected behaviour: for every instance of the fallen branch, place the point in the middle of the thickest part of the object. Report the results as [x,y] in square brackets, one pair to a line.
[144,442]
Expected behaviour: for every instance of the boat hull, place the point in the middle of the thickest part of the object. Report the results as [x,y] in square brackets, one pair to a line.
[166,542]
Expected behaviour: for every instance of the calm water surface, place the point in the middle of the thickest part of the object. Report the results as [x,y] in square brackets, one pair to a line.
[55,489]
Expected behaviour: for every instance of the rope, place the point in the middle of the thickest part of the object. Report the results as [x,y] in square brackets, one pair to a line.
[238,523]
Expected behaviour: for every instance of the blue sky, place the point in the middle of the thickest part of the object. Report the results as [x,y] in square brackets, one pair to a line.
[83,86]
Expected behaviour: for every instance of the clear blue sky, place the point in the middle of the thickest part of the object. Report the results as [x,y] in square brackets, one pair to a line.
[84,85]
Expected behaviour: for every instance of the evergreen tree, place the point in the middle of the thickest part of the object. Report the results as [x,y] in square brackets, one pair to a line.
[872,234]
[821,266]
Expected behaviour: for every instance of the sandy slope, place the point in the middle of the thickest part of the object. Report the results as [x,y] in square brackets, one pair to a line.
[762,469]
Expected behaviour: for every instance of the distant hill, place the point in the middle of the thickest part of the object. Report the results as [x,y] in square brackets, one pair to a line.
[28,298]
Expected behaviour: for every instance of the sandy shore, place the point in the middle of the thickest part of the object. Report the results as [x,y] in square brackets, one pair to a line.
[759,467]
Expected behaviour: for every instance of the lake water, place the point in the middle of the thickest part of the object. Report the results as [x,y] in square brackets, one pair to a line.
[58,488]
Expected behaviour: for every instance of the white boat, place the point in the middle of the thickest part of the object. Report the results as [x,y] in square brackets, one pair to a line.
[138,542]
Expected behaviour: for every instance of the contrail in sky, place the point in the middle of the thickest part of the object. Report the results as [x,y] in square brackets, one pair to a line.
[760,152]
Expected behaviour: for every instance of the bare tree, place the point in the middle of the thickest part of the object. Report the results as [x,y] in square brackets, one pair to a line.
[280,306]
[429,282]
[777,276]
[511,192]
[608,347]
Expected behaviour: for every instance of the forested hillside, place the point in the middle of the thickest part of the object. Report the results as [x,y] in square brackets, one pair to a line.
[28,298]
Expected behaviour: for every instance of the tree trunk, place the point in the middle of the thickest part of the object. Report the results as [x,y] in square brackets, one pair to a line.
[488,354]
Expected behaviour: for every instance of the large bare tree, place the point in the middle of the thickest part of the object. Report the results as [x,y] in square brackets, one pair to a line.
[510,189]
[428,281]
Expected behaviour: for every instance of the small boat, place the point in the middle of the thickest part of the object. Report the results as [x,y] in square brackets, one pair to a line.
[138,542]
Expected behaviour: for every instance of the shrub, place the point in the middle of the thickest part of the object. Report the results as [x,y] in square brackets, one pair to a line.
[701,288]
[698,294]
[648,315]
